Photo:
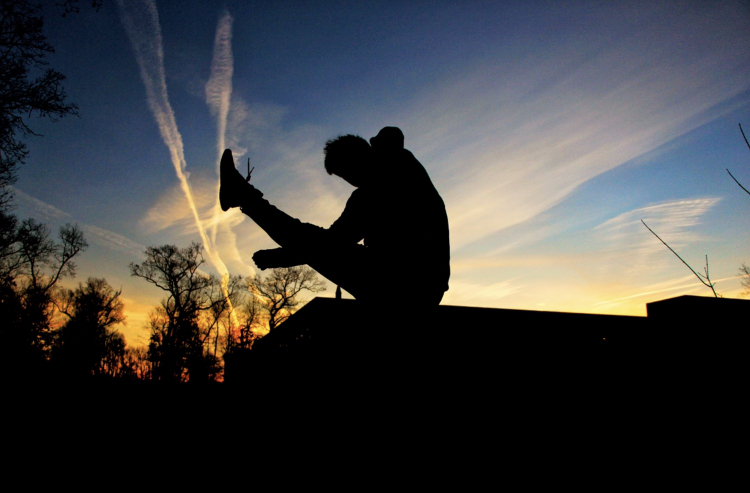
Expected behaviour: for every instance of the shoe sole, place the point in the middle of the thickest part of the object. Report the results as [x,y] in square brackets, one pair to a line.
[226,167]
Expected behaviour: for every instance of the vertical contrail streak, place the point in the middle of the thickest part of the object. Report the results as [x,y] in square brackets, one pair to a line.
[219,95]
[141,21]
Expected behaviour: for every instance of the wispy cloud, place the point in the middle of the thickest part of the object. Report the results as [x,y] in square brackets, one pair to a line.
[617,260]
[141,21]
[684,284]
[512,138]
[675,222]
[113,240]
[478,294]
[219,95]
[219,85]
[45,212]
[40,210]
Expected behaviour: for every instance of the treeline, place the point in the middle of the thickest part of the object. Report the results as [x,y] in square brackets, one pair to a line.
[205,319]
[202,319]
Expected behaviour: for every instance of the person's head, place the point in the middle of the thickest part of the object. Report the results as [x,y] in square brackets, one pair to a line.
[350,157]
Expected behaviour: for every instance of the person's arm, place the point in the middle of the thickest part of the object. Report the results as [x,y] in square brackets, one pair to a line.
[348,228]
[278,257]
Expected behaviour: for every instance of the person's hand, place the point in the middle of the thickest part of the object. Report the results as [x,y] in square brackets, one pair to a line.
[264,259]
[271,259]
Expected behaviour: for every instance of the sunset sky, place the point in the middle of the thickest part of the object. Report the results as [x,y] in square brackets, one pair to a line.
[549,128]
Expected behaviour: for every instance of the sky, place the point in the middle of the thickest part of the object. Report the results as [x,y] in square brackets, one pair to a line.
[551,129]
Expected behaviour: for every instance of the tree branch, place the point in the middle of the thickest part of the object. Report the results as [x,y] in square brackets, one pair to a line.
[738,183]
[700,277]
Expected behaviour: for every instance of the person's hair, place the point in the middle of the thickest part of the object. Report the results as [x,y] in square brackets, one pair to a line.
[343,150]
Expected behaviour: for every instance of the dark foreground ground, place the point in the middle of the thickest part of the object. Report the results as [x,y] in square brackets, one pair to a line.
[662,404]
[518,384]
[601,420]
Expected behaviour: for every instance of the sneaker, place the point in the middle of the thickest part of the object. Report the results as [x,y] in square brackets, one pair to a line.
[233,189]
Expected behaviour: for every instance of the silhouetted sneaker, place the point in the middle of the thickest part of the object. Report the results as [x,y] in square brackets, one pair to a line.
[233,187]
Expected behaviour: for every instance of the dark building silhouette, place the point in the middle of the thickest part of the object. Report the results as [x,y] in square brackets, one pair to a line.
[336,337]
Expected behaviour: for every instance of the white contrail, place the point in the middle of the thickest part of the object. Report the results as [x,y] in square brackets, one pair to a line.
[690,285]
[141,21]
[219,95]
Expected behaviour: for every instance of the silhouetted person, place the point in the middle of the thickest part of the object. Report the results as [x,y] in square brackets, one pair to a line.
[395,209]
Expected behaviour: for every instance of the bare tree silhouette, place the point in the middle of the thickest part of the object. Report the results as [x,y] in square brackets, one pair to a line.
[71,6]
[88,344]
[251,323]
[181,328]
[278,291]
[744,270]
[135,364]
[23,49]
[705,278]
[730,173]
[29,273]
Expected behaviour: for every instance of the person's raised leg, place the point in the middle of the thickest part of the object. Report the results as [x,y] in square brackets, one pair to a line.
[285,230]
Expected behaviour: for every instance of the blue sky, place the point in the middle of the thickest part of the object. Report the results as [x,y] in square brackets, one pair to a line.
[549,128]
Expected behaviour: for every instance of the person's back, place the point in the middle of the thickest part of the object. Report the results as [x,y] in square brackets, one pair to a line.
[401,217]
[407,223]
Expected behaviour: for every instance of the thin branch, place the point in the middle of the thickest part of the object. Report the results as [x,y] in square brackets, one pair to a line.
[738,183]
[706,269]
[708,278]
[730,173]
[700,277]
